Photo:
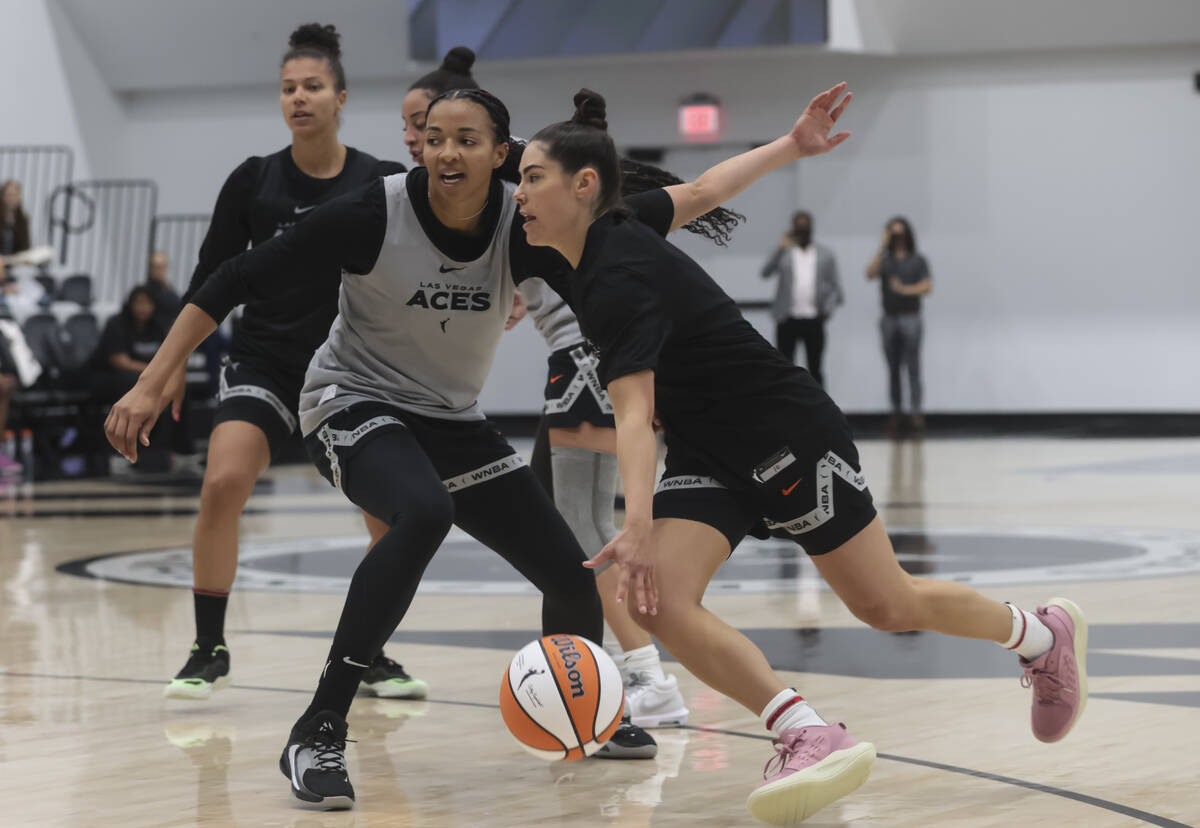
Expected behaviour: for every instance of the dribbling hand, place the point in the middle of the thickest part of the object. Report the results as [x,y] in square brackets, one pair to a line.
[630,550]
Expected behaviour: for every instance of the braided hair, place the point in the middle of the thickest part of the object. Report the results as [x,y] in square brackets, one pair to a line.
[583,141]
[510,170]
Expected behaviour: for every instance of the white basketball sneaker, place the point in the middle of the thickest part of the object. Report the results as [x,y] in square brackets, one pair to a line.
[654,703]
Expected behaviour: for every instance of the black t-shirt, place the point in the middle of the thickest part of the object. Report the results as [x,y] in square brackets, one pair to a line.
[166,303]
[644,304]
[263,198]
[121,337]
[910,270]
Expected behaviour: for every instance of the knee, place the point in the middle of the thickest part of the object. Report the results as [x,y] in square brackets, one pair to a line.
[227,488]
[428,514]
[887,614]
[671,614]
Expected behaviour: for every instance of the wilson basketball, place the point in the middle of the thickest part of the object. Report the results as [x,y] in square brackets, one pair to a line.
[562,697]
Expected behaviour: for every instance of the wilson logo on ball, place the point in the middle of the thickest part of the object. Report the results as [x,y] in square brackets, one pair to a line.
[570,659]
[561,697]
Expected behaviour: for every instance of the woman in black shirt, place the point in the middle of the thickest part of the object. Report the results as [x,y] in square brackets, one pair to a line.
[753,445]
[260,384]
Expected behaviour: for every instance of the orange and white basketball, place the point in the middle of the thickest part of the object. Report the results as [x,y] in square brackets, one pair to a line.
[562,697]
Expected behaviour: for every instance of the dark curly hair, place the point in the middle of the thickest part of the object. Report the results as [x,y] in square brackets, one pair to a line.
[313,40]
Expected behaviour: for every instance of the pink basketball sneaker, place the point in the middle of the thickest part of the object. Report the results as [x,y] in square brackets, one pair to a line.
[1059,676]
[812,767]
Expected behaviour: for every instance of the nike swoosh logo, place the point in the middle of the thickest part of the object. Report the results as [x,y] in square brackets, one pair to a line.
[354,663]
[444,269]
[299,210]
[788,490]
[556,379]
[292,761]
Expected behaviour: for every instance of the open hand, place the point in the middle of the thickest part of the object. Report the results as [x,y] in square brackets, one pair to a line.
[630,549]
[811,132]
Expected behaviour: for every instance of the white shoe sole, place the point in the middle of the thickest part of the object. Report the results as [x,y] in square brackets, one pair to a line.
[329,803]
[1081,640]
[386,690]
[675,718]
[190,692]
[793,799]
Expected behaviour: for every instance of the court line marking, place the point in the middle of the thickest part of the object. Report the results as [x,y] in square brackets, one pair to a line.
[1104,804]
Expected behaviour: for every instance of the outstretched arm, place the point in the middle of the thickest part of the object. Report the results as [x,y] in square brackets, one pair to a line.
[810,136]
[344,234]
[131,420]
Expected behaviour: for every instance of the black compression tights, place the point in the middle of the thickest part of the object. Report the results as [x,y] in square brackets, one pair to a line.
[394,480]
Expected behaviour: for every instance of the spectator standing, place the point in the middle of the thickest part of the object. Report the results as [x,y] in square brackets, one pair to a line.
[904,278]
[806,294]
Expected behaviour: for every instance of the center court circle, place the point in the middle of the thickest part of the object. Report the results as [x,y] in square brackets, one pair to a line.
[463,566]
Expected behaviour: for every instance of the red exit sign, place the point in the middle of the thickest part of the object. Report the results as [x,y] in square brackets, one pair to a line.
[700,121]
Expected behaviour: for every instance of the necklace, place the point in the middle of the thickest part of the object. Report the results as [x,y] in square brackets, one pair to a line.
[473,215]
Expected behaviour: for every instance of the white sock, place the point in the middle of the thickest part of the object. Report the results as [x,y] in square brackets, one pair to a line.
[789,710]
[1030,637]
[645,660]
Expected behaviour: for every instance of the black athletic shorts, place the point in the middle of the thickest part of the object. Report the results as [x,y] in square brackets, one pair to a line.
[464,452]
[574,394]
[249,394]
[809,488]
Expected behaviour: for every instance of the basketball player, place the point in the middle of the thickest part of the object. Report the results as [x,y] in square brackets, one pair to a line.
[389,409]
[260,386]
[582,439]
[753,443]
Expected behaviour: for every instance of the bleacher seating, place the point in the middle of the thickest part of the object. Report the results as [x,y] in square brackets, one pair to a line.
[77,288]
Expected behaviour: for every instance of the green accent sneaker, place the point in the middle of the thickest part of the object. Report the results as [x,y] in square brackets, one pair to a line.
[205,671]
[387,679]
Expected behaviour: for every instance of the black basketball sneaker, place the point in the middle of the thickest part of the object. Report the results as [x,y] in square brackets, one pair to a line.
[629,742]
[314,761]
[206,670]
[387,679]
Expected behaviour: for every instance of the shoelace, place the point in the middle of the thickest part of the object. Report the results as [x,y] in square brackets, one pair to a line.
[196,662]
[791,744]
[328,750]
[391,666]
[636,682]
[1046,686]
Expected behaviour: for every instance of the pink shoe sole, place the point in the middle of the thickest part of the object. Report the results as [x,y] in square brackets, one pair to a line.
[794,798]
[1081,640]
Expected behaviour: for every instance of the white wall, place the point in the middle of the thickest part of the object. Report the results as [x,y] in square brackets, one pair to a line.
[1053,194]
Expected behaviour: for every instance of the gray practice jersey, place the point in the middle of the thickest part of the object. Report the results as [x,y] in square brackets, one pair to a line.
[420,330]
[551,314]
[416,328]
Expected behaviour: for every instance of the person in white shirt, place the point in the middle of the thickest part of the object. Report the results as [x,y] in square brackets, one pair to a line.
[806,294]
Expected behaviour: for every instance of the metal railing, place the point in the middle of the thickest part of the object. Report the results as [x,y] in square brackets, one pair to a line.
[179,235]
[102,228]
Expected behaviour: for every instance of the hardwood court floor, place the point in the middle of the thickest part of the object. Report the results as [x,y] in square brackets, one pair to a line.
[87,739]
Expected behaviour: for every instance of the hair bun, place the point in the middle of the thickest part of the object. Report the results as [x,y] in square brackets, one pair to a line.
[590,109]
[458,60]
[316,36]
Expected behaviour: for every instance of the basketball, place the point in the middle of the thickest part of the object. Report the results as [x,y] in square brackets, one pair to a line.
[562,697]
